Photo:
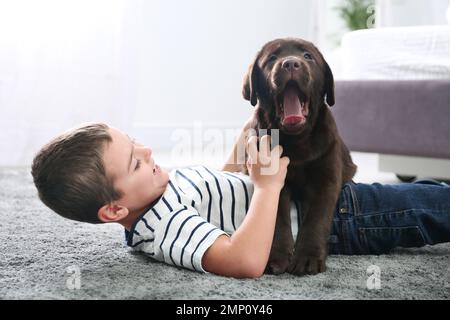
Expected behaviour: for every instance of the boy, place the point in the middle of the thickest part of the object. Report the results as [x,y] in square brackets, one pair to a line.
[220,221]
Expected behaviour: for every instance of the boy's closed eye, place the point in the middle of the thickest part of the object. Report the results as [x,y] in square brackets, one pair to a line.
[138,164]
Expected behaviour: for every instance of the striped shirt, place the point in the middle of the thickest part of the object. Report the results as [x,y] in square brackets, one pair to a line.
[198,205]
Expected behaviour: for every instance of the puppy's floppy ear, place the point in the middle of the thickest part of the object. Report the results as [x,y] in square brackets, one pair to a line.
[328,89]
[329,85]
[249,87]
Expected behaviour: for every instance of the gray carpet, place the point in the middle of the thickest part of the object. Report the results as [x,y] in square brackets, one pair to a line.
[37,247]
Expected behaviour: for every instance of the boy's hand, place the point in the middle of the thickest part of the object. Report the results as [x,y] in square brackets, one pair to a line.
[248,123]
[266,167]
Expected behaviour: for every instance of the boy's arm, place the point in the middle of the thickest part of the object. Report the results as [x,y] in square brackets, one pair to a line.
[246,252]
[236,159]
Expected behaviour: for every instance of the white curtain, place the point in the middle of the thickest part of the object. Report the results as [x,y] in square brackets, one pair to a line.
[63,62]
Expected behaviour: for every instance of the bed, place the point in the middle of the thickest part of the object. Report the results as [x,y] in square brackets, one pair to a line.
[394,98]
[402,53]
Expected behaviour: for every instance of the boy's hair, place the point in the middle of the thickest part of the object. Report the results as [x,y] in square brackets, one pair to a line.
[70,176]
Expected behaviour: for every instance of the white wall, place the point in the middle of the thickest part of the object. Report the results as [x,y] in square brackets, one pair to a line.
[194,56]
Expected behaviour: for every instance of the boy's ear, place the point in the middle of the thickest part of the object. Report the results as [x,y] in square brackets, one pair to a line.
[112,212]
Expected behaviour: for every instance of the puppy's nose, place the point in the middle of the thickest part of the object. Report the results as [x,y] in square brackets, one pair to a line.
[290,65]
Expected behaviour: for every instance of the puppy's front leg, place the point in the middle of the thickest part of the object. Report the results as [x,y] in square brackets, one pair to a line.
[283,242]
[311,245]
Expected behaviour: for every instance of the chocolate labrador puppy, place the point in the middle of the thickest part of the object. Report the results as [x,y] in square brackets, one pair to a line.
[292,85]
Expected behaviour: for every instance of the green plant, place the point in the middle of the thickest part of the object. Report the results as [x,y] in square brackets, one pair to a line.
[357,14]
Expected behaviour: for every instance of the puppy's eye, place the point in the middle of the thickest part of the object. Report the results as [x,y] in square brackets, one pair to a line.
[307,56]
[272,58]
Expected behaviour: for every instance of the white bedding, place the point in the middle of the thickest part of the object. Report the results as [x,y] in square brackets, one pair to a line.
[407,53]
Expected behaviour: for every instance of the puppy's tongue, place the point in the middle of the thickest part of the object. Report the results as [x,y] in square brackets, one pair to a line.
[292,106]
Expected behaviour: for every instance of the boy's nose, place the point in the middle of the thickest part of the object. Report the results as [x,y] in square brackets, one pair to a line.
[147,154]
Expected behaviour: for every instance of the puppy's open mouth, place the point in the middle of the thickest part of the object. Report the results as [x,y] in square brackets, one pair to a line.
[292,105]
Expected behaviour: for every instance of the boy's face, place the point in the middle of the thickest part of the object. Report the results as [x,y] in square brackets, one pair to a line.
[134,172]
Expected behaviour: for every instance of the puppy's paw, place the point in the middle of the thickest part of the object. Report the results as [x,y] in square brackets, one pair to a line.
[278,263]
[307,264]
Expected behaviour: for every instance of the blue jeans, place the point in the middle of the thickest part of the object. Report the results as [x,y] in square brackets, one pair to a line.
[375,218]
